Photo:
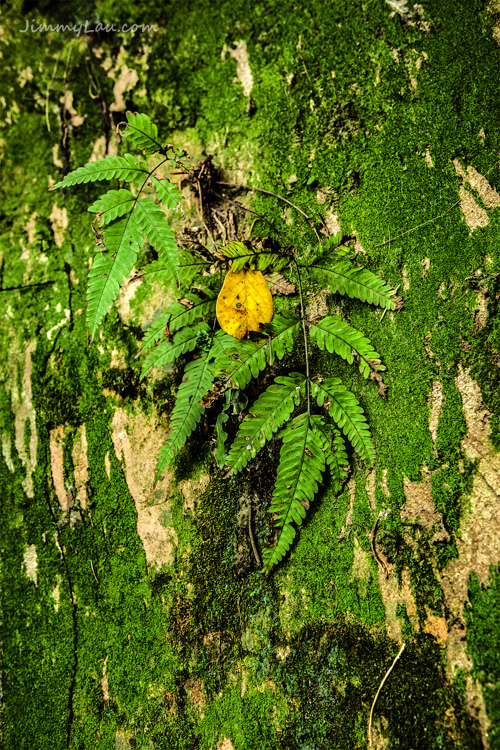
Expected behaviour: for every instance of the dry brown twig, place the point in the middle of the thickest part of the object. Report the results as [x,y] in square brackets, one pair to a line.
[378,693]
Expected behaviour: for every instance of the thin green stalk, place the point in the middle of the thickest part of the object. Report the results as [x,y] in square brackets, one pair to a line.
[306,351]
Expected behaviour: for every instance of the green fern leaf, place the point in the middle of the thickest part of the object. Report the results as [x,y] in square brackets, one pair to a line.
[344,408]
[356,282]
[166,192]
[188,410]
[175,317]
[183,316]
[154,333]
[152,220]
[113,204]
[184,341]
[333,334]
[142,132]
[188,269]
[335,454]
[266,416]
[302,462]
[245,359]
[122,240]
[220,433]
[125,168]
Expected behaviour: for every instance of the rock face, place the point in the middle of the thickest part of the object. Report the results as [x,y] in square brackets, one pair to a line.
[132,611]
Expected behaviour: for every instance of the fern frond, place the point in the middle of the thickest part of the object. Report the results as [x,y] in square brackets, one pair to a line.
[113,204]
[154,333]
[152,220]
[188,410]
[180,315]
[122,240]
[142,132]
[166,192]
[243,254]
[302,462]
[335,454]
[344,408]
[176,316]
[245,359]
[220,433]
[125,168]
[266,416]
[166,351]
[356,282]
[333,334]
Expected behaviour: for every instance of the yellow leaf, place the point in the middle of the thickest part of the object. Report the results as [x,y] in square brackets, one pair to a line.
[244,303]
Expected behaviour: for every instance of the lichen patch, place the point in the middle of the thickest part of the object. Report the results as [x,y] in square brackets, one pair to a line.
[67,101]
[104,680]
[56,593]
[125,82]
[332,223]
[419,506]
[243,71]
[6,451]
[475,216]
[436,401]
[81,466]
[30,562]
[137,439]
[59,219]
[192,489]
[56,467]
[480,184]
[22,406]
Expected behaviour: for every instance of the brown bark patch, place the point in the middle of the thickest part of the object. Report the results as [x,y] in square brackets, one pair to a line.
[81,466]
[56,467]
[243,71]
[436,401]
[138,440]
[192,489]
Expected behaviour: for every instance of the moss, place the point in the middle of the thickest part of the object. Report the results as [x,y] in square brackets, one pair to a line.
[359,141]
[483,634]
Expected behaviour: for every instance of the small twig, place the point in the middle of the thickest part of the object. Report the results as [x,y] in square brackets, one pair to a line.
[250,534]
[306,352]
[417,227]
[285,200]
[93,571]
[378,693]
[381,563]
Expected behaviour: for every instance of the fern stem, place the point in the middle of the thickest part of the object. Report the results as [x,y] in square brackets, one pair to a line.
[306,351]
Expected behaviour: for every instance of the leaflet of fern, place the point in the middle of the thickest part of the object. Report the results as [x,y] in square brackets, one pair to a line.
[251,357]
[112,204]
[166,192]
[358,283]
[142,132]
[302,462]
[266,416]
[180,315]
[333,334]
[154,333]
[336,456]
[153,222]
[125,168]
[109,269]
[166,351]
[345,410]
[188,410]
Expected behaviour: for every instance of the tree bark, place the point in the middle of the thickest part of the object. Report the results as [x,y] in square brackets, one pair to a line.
[134,614]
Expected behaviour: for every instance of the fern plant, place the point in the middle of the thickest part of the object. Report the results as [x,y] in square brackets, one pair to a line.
[312,416]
